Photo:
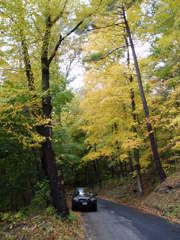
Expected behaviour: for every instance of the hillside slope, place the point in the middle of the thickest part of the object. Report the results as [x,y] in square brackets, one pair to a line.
[159,198]
[166,197]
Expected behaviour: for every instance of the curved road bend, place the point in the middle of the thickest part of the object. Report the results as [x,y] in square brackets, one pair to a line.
[118,222]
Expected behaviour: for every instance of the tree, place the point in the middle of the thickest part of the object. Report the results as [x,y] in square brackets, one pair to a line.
[161,172]
[40,28]
[134,129]
[118,8]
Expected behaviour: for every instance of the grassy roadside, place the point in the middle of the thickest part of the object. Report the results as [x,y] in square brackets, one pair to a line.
[159,199]
[41,225]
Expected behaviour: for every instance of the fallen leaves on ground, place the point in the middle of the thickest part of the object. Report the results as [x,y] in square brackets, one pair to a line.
[43,226]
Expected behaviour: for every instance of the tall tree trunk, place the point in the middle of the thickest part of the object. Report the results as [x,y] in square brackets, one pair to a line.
[112,172]
[160,170]
[138,171]
[133,106]
[27,63]
[125,169]
[131,169]
[48,156]
[96,169]
[87,174]
[121,169]
[136,150]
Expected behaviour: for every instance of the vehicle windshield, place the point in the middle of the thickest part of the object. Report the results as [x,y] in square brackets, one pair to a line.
[82,191]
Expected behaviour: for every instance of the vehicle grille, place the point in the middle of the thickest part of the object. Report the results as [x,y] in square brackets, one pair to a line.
[83,200]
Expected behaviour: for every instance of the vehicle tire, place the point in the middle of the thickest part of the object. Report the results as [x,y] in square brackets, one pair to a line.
[95,208]
[73,208]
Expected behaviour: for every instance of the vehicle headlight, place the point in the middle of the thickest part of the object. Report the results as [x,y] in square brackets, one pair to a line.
[93,199]
[76,199]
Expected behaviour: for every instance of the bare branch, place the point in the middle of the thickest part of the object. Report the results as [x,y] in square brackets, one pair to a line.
[61,39]
[112,51]
[27,62]
[68,68]
[97,28]
[108,53]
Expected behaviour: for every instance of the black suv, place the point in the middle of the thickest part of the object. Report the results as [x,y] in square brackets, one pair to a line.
[82,199]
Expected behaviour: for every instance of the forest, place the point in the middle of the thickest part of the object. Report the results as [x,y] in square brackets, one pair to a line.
[123,122]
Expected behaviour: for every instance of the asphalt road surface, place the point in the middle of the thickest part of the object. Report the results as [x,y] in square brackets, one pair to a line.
[118,222]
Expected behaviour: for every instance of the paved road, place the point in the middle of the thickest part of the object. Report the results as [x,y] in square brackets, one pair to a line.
[118,222]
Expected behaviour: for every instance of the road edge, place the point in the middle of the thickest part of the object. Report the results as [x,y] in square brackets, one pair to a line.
[142,208]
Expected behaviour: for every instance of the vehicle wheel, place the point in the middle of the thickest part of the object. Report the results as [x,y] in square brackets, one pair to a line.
[95,208]
[73,208]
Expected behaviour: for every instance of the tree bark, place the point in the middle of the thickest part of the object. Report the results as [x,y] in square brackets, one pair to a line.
[112,172]
[27,63]
[96,169]
[121,169]
[87,174]
[24,46]
[125,169]
[133,107]
[159,167]
[48,156]
[131,169]
[136,150]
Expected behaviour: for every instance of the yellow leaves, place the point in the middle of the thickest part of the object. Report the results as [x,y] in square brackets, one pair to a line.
[101,152]
[106,151]
[177,146]
[130,144]
[173,110]
[91,156]
[24,134]
[134,15]
[17,111]
[176,122]
[107,102]
[123,157]
[108,35]
[145,162]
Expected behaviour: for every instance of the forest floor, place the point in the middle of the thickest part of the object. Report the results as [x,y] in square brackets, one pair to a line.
[43,225]
[159,199]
